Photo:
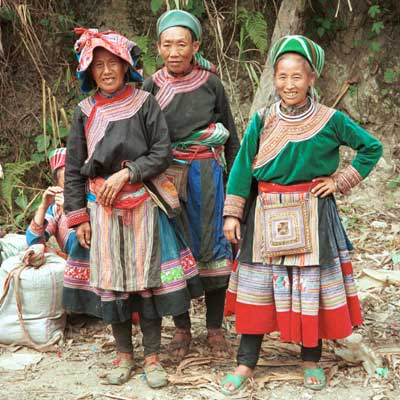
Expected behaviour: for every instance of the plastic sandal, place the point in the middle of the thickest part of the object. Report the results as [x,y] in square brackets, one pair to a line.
[314,373]
[238,381]
[156,375]
[122,373]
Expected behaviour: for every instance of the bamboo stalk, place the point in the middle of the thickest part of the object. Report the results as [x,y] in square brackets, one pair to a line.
[44,110]
[53,122]
[57,122]
[64,117]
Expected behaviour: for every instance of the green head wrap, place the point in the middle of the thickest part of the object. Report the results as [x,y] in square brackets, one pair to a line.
[310,50]
[179,18]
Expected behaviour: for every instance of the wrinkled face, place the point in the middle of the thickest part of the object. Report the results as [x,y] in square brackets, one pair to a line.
[292,78]
[108,71]
[60,173]
[177,49]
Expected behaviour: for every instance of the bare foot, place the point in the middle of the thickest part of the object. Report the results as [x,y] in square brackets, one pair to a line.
[218,345]
[180,343]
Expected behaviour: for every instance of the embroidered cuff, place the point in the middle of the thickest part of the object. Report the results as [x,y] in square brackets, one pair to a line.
[37,229]
[134,171]
[234,206]
[77,217]
[346,179]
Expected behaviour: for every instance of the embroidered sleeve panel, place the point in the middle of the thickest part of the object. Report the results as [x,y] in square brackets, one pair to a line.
[278,133]
[86,105]
[37,229]
[346,179]
[234,206]
[77,217]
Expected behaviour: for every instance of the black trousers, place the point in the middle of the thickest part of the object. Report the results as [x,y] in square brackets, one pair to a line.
[151,330]
[250,346]
[215,302]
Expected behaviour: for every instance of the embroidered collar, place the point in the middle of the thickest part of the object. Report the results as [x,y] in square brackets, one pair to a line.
[170,85]
[295,114]
[280,130]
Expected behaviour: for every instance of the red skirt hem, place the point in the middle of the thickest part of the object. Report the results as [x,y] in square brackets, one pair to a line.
[292,326]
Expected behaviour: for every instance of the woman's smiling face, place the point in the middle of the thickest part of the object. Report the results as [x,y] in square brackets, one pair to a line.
[108,71]
[293,77]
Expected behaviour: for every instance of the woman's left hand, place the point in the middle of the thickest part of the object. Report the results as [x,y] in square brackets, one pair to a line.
[326,186]
[111,187]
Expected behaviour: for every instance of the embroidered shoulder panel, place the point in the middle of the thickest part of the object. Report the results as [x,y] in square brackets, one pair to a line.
[277,133]
[86,105]
[170,85]
[101,115]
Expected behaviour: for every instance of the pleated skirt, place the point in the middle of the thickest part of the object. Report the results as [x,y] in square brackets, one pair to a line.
[302,303]
[172,276]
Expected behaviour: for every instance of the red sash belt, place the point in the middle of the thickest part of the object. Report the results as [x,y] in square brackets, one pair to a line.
[198,152]
[269,187]
[123,200]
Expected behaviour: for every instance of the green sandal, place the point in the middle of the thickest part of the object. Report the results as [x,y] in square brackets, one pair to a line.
[156,375]
[238,381]
[122,373]
[314,373]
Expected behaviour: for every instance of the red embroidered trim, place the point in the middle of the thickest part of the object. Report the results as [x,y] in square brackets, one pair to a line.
[234,206]
[346,179]
[36,229]
[77,217]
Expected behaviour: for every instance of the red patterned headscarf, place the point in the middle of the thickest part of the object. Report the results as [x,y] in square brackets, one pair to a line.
[112,41]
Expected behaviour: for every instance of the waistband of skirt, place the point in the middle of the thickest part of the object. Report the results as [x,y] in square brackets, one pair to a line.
[270,187]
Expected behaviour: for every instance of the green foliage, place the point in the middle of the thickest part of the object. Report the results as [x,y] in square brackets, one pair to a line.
[394,183]
[389,75]
[375,47]
[13,173]
[374,10]
[324,21]
[353,91]
[7,14]
[377,27]
[254,27]
[196,7]
[149,57]
[17,200]
[155,5]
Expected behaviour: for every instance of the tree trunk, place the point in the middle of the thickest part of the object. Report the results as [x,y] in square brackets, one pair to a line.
[289,21]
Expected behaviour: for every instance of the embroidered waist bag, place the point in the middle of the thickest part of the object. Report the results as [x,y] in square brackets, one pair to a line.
[284,222]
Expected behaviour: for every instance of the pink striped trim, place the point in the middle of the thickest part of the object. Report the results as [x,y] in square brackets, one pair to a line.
[100,115]
[234,206]
[346,179]
[77,217]
[170,86]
